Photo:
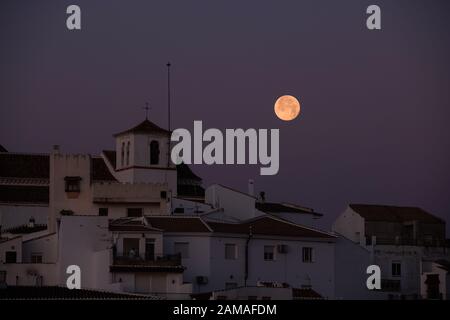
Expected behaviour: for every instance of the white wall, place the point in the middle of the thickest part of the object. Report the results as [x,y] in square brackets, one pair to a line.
[207,258]
[351,262]
[13,244]
[80,237]
[198,263]
[46,245]
[236,204]
[350,225]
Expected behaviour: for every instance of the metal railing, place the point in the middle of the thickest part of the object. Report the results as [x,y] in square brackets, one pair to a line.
[156,260]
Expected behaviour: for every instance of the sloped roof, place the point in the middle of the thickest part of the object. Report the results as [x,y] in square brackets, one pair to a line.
[178,224]
[184,190]
[266,225]
[37,166]
[130,224]
[55,292]
[25,229]
[24,165]
[111,156]
[304,293]
[274,207]
[100,171]
[145,126]
[394,213]
[184,172]
[24,194]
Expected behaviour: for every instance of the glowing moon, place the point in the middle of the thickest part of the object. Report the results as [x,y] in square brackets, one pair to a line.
[287,108]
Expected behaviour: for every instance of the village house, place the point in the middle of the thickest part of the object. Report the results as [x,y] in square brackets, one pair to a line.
[406,242]
[135,223]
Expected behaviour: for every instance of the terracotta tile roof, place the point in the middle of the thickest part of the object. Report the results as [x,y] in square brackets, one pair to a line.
[20,165]
[130,224]
[24,194]
[190,191]
[301,293]
[185,172]
[178,224]
[63,293]
[100,171]
[273,207]
[394,213]
[25,229]
[145,126]
[266,225]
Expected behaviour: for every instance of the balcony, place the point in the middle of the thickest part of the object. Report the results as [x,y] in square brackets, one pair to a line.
[404,241]
[128,193]
[160,263]
[390,285]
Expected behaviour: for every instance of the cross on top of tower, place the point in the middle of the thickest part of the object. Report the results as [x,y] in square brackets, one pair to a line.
[147,107]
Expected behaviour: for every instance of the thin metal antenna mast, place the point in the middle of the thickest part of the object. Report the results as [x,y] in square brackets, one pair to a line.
[168,111]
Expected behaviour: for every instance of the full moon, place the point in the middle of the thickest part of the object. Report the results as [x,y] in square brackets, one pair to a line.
[287,108]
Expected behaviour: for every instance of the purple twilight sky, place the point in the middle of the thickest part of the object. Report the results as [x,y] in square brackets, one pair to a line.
[375,104]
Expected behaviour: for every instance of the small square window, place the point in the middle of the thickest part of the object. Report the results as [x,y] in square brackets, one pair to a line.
[72,184]
[36,258]
[396,269]
[307,255]
[103,212]
[269,253]
[230,251]
[10,257]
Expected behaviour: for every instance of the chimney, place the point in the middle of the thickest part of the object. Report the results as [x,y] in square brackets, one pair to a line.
[262,195]
[31,222]
[251,187]
[55,149]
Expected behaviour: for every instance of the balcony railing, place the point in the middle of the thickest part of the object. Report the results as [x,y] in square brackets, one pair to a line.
[158,260]
[402,241]
[389,285]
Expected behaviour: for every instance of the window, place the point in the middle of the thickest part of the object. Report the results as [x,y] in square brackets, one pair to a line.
[154,152]
[36,258]
[307,255]
[230,251]
[163,194]
[134,212]
[128,153]
[396,269]
[122,154]
[266,298]
[72,184]
[2,277]
[269,253]
[103,212]
[131,247]
[182,248]
[230,285]
[10,257]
